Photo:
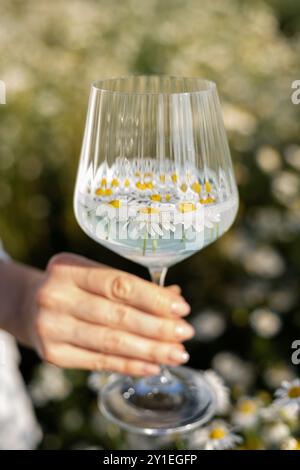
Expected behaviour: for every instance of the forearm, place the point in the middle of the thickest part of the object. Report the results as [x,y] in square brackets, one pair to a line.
[17,285]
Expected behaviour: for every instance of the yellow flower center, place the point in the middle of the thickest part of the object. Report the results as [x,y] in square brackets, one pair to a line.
[104,192]
[149,210]
[294,392]
[126,183]
[186,207]
[207,186]
[183,187]
[208,200]
[297,446]
[217,433]
[115,203]
[103,182]
[156,197]
[148,174]
[196,187]
[247,407]
[174,178]
[115,182]
[137,174]
[144,186]
[162,178]
[168,197]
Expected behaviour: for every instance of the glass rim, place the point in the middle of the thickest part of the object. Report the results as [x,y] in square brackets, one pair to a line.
[99,85]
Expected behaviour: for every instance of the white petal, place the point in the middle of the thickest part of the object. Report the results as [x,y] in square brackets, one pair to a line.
[157,229]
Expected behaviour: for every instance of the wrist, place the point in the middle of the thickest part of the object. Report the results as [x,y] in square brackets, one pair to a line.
[17,291]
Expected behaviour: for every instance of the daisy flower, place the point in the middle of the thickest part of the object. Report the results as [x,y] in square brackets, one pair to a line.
[246,413]
[97,380]
[265,323]
[150,222]
[291,443]
[189,215]
[216,436]
[275,433]
[211,217]
[221,391]
[110,213]
[286,413]
[288,394]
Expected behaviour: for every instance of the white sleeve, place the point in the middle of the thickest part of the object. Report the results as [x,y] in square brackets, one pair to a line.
[3,255]
[18,427]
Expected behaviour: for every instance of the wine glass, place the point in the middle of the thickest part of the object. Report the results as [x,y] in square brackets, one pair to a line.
[155,184]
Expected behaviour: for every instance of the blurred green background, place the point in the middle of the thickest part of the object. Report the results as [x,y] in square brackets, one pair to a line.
[243,289]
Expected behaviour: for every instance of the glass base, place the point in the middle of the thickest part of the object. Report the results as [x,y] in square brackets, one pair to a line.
[178,401]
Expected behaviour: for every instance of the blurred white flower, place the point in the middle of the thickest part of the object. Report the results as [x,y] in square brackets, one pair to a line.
[209,325]
[216,436]
[269,222]
[246,413]
[282,300]
[286,413]
[292,156]
[274,434]
[277,373]
[285,186]
[288,394]
[50,383]
[233,369]
[291,443]
[268,159]
[248,294]
[264,261]
[236,245]
[221,391]
[261,260]
[265,323]
[97,380]
[238,120]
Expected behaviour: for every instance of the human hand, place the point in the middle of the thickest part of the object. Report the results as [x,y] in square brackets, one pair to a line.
[89,316]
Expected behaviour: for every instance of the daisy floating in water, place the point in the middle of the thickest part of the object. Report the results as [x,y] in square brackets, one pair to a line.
[162,201]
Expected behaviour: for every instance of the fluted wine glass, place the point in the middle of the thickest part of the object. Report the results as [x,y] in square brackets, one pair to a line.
[155,184]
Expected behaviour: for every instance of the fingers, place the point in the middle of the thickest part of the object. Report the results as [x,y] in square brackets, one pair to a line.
[120,286]
[90,308]
[175,288]
[116,342]
[126,288]
[68,356]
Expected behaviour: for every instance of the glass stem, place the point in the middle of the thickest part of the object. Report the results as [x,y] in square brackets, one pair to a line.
[158,276]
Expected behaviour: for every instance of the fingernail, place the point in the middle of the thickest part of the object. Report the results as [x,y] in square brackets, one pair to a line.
[180,307]
[151,369]
[184,331]
[178,355]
